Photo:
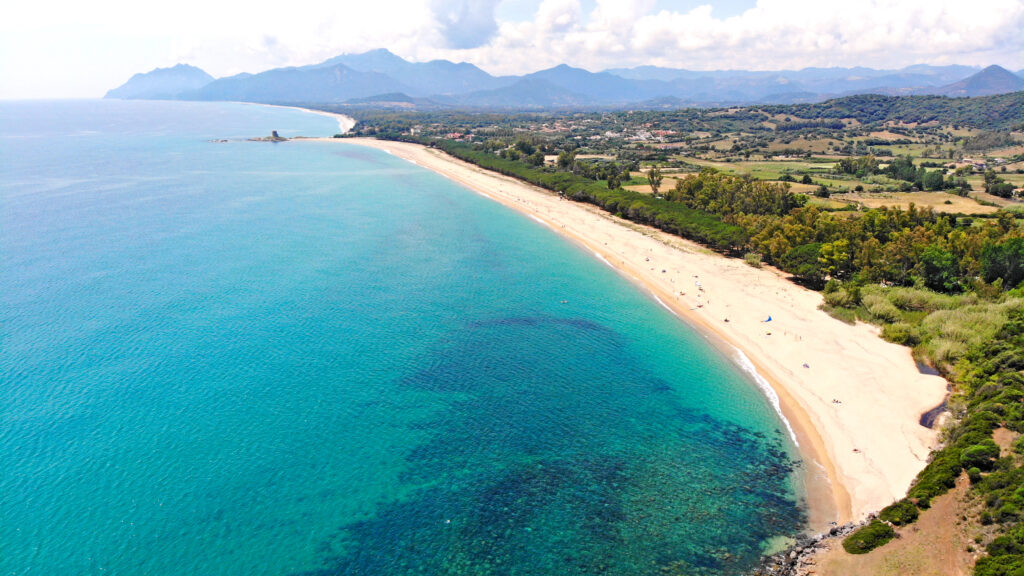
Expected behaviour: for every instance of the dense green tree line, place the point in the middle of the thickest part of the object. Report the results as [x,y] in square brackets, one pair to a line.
[881,245]
[809,124]
[671,217]
[1000,112]
[903,168]
[860,167]
[729,213]
[718,193]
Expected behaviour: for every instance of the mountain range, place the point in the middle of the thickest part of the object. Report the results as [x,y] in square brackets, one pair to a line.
[381,79]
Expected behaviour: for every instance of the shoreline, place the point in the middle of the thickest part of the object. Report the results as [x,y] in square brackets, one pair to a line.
[851,399]
[345,123]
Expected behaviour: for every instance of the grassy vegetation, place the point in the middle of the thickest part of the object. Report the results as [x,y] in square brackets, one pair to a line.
[941,328]
[977,339]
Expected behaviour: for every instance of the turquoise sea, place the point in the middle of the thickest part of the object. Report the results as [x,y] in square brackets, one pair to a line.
[312,358]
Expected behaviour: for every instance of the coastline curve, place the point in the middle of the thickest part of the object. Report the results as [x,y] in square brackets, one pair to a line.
[851,398]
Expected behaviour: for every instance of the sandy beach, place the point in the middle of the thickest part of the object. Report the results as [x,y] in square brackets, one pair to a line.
[345,123]
[853,401]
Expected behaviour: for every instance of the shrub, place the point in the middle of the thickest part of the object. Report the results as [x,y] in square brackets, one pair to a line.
[752,259]
[937,478]
[869,537]
[1008,513]
[881,308]
[980,455]
[901,333]
[1010,543]
[1009,565]
[899,513]
[839,298]
[974,474]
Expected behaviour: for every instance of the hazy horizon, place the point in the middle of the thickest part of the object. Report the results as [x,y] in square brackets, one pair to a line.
[64,50]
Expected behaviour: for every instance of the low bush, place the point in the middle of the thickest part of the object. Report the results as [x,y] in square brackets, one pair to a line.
[1008,513]
[867,538]
[974,474]
[1007,565]
[937,478]
[901,333]
[899,513]
[881,308]
[840,298]
[980,456]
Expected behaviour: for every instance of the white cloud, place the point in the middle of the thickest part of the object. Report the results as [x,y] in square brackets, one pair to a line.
[65,48]
[774,34]
[465,23]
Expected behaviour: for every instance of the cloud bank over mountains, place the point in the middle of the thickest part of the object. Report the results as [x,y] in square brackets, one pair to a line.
[230,37]
[772,34]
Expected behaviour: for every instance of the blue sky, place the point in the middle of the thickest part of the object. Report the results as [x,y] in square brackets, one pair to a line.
[74,49]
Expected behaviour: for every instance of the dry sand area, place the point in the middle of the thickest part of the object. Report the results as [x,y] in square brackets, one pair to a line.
[853,399]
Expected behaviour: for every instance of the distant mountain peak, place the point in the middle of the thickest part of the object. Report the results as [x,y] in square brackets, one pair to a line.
[162,83]
[421,79]
[990,81]
[564,68]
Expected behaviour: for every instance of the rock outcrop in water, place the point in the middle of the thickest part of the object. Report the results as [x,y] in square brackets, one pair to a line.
[799,559]
[274,137]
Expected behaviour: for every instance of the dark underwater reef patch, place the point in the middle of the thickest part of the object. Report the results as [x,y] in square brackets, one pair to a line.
[588,465]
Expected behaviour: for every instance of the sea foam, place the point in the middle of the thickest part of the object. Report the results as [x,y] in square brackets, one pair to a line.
[747,366]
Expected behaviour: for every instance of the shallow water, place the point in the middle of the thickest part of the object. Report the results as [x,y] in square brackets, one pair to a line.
[314,358]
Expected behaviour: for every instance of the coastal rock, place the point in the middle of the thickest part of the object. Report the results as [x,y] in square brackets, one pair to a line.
[799,559]
[274,137]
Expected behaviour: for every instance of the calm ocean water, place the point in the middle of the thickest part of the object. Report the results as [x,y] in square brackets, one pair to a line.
[308,358]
